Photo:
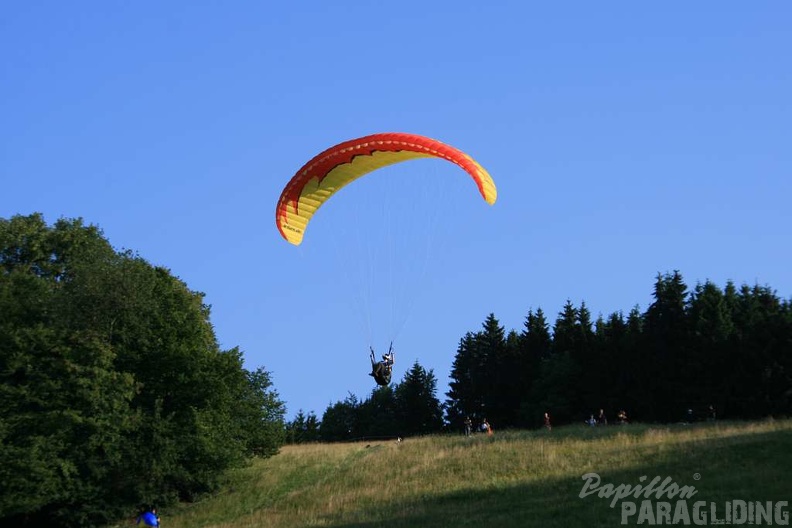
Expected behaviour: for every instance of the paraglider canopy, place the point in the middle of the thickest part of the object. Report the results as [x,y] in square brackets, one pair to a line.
[332,169]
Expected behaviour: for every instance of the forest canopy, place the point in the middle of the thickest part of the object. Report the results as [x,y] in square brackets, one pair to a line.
[114,392]
[692,352]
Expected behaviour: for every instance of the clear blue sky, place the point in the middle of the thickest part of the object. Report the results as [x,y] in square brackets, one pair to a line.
[625,138]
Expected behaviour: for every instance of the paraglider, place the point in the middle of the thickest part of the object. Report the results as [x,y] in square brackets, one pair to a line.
[382,370]
[334,168]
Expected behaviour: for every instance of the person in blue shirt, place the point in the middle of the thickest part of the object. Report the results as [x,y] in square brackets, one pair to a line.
[149,518]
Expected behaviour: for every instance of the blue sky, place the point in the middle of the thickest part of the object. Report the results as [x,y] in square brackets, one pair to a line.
[626,139]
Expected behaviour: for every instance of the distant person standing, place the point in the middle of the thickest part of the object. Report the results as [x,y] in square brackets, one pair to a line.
[486,427]
[468,426]
[547,424]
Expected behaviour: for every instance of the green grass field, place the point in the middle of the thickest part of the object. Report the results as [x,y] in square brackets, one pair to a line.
[515,478]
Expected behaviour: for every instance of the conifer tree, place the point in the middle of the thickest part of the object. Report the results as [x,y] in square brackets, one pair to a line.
[418,408]
[464,398]
[666,339]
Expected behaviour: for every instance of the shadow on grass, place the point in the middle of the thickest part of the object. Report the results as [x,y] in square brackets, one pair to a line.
[756,467]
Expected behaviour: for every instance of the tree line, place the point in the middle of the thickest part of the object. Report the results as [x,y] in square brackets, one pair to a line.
[406,408]
[727,350]
[114,392]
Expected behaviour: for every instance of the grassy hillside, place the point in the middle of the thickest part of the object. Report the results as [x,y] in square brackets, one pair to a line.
[521,478]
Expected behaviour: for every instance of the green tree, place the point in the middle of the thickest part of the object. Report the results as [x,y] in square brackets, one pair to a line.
[377,415]
[761,381]
[303,429]
[340,420]
[418,409]
[559,391]
[497,373]
[464,395]
[712,331]
[536,335]
[64,409]
[535,345]
[565,331]
[258,412]
[113,390]
[64,413]
[666,340]
[483,366]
